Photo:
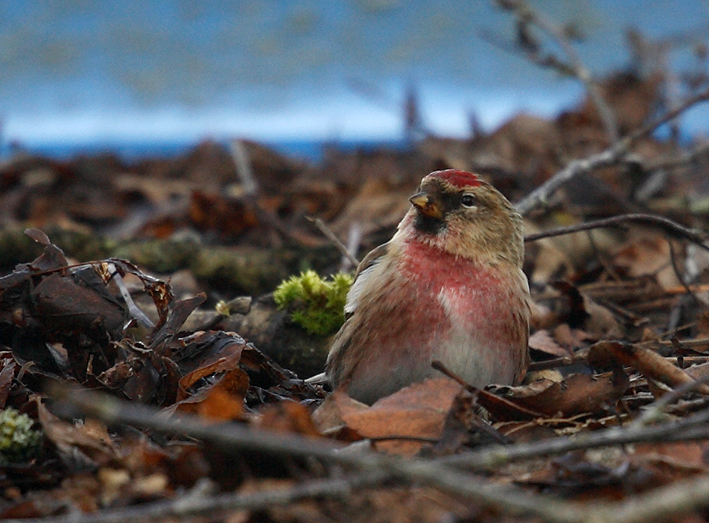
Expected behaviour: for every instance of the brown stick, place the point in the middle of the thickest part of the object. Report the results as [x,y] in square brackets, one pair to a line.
[525,14]
[694,235]
[611,156]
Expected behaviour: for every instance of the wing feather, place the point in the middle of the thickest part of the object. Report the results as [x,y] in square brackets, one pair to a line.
[362,275]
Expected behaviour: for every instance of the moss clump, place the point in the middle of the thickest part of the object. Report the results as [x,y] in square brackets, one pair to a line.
[315,304]
[18,440]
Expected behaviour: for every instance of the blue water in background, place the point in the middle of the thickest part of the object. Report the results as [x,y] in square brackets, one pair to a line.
[130,152]
[150,78]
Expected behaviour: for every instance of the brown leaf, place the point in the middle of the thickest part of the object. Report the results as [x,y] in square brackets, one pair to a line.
[582,312]
[646,361]
[7,374]
[61,304]
[173,320]
[38,236]
[226,360]
[143,383]
[684,456]
[418,411]
[543,342]
[698,372]
[649,253]
[221,400]
[328,416]
[577,394]
[90,441]
[52,257]
[464,426]
[601,322]
[503,408]
[287,416]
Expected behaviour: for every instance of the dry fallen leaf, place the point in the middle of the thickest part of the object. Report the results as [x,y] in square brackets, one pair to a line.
[646,361]
[543,342]
[577,394]
[396,421]
[87,443]
[287,416]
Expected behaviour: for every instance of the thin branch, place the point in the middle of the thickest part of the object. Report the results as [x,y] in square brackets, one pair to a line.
[565,361]
[112,410]
[242,163]
[541,194]
[649,127]
[690,428]
[444,474]
[660,504]
[681,160]
[655,411]
[134,310]
[611,156]
[505,499]
[693,235]
[698,342]
[547,61]
[193,505]
[525,14]
[334,239]
[232,436]
[354,238]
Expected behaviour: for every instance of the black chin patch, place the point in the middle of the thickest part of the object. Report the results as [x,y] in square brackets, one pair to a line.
[428,224]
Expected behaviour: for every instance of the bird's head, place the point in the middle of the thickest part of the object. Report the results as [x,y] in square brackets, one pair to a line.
[458,212]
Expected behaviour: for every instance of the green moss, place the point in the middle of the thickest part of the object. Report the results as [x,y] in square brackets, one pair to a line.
[18,440]
[315,304]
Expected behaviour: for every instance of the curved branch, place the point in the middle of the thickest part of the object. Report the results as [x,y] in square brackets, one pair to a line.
[693,235]
[611,156]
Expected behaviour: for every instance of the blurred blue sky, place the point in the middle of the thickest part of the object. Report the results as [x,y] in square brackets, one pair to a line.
[92,71]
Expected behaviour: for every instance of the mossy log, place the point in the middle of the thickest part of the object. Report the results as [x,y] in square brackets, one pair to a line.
[232,270]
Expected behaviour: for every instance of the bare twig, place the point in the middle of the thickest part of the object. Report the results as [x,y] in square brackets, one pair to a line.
[525,14]
[656,410]
[242,162]
[649,127]
[696,343]
[444,475]
[233,436]
[659,504]
[134,310]
[541,194]
[681,160]
[438,365]
[354,238]
[690,428]
[192,505]
[554,363]
[611,156]
[334,239]
[112,410]
[531,53]
[694,235]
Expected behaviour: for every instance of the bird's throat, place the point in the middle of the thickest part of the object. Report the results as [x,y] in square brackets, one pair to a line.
[429,224]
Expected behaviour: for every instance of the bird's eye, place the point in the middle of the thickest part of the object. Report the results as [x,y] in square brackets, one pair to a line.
[468,200]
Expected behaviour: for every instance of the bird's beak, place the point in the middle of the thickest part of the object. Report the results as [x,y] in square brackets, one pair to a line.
[427,205]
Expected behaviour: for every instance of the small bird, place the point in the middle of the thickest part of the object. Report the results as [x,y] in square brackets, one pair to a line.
[448,286]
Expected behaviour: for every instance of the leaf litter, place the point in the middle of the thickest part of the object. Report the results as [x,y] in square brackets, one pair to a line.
[619,339]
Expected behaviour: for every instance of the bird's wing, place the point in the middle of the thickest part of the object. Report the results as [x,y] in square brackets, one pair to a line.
[362,275]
